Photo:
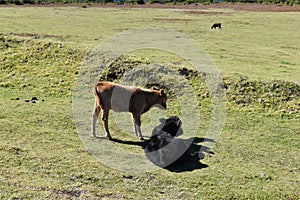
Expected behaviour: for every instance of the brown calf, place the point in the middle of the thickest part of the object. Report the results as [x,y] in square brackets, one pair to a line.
[121,98]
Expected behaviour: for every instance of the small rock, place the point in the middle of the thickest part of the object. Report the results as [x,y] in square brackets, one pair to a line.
[263,175]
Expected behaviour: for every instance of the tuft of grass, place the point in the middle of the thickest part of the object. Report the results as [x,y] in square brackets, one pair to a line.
[273,97]
[44,67]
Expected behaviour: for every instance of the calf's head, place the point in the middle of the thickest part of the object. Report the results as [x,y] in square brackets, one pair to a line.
[161,101]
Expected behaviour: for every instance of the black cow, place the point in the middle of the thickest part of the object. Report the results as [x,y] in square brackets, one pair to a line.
[216,25]
[175,154]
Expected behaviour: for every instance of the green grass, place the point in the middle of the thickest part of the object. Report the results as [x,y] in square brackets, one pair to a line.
[42,156]
[260,45]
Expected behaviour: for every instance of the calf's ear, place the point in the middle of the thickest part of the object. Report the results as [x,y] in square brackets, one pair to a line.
[154,88]
[162,92]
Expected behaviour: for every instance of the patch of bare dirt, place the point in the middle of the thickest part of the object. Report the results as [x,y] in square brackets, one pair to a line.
[201,12]
[36,35]
[235,6]
[258,7]
[172,19]
[232,6]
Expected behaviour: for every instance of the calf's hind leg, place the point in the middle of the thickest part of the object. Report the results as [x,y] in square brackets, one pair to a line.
[105,123]
[94,120]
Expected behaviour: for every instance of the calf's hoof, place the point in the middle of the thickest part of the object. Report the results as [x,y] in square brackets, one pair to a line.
[109,137]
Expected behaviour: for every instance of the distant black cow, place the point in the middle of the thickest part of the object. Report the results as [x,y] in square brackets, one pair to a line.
[216,25]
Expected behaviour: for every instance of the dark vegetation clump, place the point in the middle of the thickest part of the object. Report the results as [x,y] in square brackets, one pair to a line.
[118,67]
[156,86]
[189,73]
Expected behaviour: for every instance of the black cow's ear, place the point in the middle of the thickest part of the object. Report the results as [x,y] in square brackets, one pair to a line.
[162,120]
[162,92]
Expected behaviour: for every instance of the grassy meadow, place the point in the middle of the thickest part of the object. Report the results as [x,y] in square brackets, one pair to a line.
[43,157]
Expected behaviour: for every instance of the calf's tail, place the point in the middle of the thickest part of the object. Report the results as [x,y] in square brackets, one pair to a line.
[96,92]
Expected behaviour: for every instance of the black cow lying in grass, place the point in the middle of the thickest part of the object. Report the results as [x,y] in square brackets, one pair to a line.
[169,152]
[216,25]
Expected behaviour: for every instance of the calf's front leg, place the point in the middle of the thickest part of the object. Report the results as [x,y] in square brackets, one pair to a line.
[136,118]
